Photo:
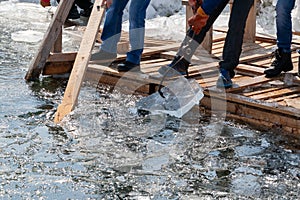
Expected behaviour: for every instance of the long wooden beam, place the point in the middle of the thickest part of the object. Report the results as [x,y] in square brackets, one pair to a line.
[53,32]
[80,65]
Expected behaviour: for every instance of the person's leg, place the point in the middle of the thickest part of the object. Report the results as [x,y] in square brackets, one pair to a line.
[112,26]
[111,33]
[234,38]
[137,15]
[284,24]
[84,4]
[283,60]
[189,45]
[233,42]
[192,41]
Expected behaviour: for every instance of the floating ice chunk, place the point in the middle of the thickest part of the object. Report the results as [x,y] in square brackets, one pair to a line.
[28,36]
[180,96]
[248,150]
[246,185]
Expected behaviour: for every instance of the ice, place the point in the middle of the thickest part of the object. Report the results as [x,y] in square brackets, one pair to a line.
[296,16]
[28,36]
[180,96]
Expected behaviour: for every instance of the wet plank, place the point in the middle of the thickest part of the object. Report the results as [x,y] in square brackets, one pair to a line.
[76,78]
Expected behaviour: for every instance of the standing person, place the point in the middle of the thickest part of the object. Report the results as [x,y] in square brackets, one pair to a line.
[85,5]
[112,32]
[208,13]
[283,61]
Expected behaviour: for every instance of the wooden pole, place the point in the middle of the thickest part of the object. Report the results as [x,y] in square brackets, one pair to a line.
[49,40]
[57,47]
[250,29]
[81,62]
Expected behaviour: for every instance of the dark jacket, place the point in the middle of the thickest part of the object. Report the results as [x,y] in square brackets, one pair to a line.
[208,6]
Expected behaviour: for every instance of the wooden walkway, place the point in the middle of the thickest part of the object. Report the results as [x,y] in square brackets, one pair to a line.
[269,103]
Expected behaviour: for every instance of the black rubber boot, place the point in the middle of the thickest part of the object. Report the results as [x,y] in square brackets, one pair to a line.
[282,63]
[178,66]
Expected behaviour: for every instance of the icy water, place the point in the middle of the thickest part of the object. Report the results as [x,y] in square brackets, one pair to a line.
[105,150]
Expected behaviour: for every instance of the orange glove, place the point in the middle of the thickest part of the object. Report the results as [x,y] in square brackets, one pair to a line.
[195,4]
[198,21]
[45,3]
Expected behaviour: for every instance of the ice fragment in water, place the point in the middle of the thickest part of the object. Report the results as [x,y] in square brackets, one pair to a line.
[180,96]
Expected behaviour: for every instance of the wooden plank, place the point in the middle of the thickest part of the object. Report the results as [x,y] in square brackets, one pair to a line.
[149,51]
[81,62]
[260,91]
[293,103]
[250,70]
[263,53]
[133,76]
[249,82]
[276,93]
[253,103]
[250,29]
[55,68]
[49,39]
[247,112]
[62,57]
[57,47]
[70,57]
[282,98]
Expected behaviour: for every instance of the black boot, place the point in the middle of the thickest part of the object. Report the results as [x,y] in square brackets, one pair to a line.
[179,66]
[73,14]
[282,63]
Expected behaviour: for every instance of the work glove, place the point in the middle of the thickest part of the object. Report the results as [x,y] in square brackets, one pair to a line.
[195,4]
[45,3]
[198,21]
[106,3]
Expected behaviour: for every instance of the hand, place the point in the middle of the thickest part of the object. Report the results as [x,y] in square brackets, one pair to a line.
[192,2]
[195,4]
[106,3]
[197,22]
[45,3]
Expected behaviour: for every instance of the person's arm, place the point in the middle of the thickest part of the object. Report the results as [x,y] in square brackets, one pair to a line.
[208,6]
[45,3]
[198,21]
[106,3]
[195,4]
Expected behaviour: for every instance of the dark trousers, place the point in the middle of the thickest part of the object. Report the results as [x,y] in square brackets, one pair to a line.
[234,38]
[83,4]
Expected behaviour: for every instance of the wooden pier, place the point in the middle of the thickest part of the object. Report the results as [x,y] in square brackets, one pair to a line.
[254,99]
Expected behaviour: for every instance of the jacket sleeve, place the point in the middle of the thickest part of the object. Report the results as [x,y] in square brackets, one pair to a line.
[208,6]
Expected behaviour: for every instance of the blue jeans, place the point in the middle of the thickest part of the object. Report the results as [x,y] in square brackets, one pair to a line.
[113,26]
[284,24]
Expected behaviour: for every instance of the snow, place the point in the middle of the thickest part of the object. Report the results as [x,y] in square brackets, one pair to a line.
[165,19]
